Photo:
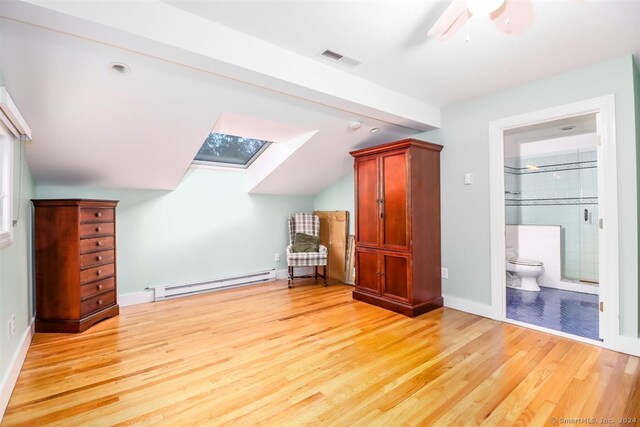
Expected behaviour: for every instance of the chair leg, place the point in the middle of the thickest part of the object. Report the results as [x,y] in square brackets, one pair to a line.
[324,276]
[290,278]
[316,277]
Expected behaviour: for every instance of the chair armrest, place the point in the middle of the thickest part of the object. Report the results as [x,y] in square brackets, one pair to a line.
[323,250]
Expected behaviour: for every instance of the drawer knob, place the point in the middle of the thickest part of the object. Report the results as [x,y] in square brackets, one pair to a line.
[98,228]
[99,272]
[98,214]
[99,287]
[99,302]
[98,243]
[99,258]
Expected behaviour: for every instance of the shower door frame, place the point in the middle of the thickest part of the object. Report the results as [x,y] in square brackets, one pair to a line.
[609,292]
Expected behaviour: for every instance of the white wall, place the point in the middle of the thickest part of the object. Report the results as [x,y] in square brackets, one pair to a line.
[465,209]
[207,228]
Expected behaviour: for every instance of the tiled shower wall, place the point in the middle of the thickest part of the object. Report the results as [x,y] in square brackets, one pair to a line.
[556,190]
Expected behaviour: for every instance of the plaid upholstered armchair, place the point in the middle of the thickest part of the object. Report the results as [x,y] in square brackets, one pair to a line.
[308,224]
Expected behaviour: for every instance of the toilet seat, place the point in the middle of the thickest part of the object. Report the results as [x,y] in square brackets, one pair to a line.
[525,261]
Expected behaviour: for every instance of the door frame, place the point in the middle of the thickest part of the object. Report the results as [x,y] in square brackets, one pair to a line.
[604,108]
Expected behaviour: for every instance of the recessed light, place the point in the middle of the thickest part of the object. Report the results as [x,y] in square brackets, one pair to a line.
[568,128]
[119,67]
[374,130]
[355,125]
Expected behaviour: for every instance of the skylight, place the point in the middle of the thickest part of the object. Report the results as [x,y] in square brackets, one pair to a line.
[229,150]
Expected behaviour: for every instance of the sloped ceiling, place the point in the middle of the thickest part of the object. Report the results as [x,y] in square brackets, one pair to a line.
[193,62]
[95,127]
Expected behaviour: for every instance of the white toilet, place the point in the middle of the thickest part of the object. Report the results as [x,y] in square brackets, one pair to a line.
[527,270]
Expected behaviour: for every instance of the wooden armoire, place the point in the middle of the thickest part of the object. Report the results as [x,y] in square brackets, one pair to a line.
[397,208]
[75,263]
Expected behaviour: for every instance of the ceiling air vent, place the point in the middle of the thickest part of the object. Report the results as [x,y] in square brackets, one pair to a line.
[339,58]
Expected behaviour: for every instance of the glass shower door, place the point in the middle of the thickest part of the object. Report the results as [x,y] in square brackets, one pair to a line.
[589,244]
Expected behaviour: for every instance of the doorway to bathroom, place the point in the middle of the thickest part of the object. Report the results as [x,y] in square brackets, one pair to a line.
[551,225]
[550,198]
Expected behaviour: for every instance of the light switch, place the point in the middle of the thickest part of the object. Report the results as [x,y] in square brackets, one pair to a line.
[468,178]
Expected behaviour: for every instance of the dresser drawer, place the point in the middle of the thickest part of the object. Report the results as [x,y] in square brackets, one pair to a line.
[96,215]
[96,273]
[96,244]
[94,258]
[90,289]
[97,229]
[97,302]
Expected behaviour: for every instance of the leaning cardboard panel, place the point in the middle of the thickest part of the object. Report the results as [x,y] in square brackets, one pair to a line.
[334,227]
[350,274]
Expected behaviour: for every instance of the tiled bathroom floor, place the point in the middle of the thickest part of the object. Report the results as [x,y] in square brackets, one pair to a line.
[566,311]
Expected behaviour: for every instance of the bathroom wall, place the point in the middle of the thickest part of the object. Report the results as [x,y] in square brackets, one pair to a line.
[540,243]
[556,189]
[511,190]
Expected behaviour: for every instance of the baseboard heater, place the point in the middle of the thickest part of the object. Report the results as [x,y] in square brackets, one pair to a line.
[176,291]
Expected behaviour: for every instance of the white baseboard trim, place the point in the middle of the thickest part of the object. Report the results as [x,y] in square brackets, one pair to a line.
[143,297]
[468,306]
[11,376]
[134,298]
[628,345]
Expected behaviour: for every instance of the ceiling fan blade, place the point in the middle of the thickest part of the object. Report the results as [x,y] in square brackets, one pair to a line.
[514,16]
[448,18]
[458,23]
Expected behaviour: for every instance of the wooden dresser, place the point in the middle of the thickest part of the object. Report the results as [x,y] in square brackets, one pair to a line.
[397,192]
[75,263]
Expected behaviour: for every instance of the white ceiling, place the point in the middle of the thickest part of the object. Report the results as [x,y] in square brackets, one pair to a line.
[579,125]
[389,37]
[259,60]
[93,127]
[570,134]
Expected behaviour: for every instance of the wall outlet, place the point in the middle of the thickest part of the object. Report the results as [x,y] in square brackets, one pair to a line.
[445,273]
[277,257]
[12,325]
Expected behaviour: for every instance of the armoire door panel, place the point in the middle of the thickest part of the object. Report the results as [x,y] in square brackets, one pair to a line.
[367,271]
[396,276]
[394,205]
[367,205]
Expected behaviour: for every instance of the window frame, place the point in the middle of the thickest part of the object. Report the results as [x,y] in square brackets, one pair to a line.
[235,165]
[6,187]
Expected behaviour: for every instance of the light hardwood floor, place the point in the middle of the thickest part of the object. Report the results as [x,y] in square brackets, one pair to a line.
[311,355]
